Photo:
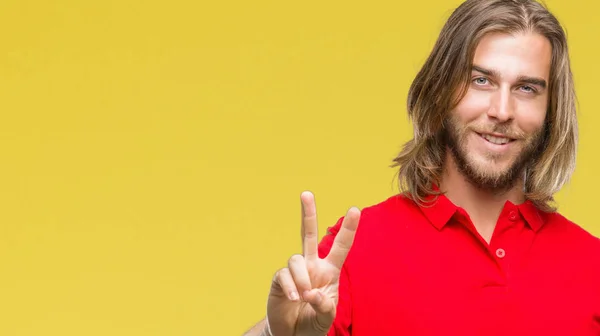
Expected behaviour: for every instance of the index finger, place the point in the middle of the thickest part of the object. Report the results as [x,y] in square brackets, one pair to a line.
[344,239]
[310,231]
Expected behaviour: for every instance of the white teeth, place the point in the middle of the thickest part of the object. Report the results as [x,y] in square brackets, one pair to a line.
[495,140]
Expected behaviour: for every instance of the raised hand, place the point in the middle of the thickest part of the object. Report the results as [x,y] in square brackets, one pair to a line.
[304,295]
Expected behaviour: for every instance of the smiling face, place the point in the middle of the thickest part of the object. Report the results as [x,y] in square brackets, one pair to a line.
[497,126]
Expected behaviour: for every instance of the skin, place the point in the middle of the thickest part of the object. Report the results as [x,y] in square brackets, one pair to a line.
[506,97]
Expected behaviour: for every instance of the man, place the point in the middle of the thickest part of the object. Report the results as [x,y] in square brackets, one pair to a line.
[472,245]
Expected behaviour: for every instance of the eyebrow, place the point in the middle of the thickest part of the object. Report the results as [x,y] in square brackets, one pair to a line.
[523,79]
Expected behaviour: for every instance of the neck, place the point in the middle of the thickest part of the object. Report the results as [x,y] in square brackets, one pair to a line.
[482,205]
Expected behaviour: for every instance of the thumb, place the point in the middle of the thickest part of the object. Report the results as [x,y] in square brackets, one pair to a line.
[323,305]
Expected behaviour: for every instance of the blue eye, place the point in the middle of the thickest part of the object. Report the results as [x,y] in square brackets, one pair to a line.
[480,81]
[527,89]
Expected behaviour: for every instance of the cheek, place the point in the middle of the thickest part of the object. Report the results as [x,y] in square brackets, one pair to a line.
[531,117]
[472,106]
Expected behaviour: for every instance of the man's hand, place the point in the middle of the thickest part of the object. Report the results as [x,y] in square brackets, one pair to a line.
[304,295]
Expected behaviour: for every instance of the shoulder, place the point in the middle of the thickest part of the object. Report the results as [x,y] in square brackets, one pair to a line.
[571,236]
[575,248]
[391,208]
[373,218]
[396,206]
[558,222]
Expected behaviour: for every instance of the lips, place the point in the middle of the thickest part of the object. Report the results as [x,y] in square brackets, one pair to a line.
[497,140]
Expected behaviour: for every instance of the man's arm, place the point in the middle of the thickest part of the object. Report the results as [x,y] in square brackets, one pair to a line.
[260,329]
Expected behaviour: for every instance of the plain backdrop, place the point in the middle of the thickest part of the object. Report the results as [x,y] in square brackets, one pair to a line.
[152,153]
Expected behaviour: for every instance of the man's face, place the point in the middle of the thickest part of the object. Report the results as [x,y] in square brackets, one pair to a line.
[498,125]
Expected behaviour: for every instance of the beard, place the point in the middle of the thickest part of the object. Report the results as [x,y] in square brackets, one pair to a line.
[487,178]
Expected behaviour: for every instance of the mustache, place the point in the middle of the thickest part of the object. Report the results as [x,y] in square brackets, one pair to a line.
[501,129]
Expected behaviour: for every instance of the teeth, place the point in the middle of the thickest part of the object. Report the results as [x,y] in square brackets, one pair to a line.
[495,140]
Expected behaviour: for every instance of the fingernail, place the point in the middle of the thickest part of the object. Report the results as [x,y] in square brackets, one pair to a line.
[293,296]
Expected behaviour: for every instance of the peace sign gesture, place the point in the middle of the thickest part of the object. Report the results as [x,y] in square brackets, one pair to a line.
[304,295]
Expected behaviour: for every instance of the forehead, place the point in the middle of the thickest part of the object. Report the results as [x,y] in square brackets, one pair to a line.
[513,55]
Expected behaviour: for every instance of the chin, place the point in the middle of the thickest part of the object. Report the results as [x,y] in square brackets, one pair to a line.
[491,163]
[491,167]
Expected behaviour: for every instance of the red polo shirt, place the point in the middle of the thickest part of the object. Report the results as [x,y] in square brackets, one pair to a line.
[423,271]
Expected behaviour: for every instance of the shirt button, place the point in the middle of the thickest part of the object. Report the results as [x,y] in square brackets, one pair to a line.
[500,253]
[512,216]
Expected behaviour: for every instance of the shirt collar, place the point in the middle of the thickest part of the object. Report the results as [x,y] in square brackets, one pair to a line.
[531,214]
[439,210]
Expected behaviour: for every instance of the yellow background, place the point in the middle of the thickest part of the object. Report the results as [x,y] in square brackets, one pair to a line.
[152,153]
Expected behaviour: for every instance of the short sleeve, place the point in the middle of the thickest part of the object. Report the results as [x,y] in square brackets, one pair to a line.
[343,318]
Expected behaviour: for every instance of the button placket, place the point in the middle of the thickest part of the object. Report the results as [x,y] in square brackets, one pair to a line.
[512,216]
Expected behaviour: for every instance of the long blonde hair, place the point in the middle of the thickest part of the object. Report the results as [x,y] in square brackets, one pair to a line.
[442,83]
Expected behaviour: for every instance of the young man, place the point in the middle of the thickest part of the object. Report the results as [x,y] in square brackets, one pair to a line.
[472,246]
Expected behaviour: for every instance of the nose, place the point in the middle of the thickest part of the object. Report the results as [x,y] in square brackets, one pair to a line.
[501,105]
